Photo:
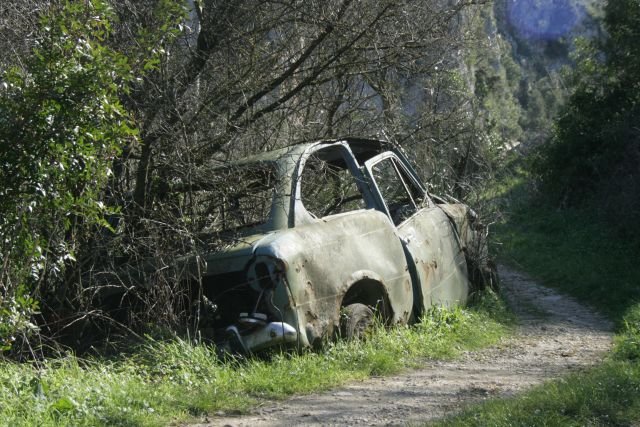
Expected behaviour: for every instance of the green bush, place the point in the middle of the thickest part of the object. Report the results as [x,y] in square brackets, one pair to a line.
[61,126]
[595,148]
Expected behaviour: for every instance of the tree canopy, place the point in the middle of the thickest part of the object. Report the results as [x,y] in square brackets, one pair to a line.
[595,150]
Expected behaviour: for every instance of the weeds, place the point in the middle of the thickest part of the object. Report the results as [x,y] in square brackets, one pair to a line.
[627,342]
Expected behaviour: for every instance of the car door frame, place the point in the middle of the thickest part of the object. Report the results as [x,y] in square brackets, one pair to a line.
[432,248]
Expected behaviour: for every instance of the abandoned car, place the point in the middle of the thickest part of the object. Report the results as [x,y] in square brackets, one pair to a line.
[323,235]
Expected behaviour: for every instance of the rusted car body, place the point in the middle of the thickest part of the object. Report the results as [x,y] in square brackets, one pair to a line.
[339,223]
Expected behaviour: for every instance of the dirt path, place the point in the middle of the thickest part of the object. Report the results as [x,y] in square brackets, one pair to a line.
[556,335]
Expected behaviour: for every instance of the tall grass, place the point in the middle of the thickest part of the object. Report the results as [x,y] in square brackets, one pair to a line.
[163,382]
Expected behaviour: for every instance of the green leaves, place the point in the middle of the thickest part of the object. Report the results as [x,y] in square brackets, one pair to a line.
[61,126]
[596,132]
[64,404]
[15,316]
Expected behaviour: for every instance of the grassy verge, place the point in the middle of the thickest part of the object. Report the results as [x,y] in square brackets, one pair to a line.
[164,382]
[579,254]
[607,395]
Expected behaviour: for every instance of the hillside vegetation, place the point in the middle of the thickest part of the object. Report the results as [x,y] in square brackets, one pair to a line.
[572,215]
[579,253]
[592,159]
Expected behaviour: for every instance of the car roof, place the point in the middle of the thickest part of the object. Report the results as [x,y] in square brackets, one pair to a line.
[285,159]
[357,145]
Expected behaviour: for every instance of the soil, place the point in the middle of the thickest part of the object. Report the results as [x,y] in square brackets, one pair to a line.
[556,335]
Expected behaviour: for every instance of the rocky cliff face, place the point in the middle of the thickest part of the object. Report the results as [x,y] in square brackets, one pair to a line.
[518,69]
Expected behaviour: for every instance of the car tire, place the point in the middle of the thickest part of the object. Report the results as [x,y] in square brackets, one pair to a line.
[355,321]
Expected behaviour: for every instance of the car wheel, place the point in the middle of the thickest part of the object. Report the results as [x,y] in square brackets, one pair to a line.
[355,320]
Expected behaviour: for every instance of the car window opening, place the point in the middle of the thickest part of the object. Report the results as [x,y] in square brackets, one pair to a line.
[401,195]
[327,185]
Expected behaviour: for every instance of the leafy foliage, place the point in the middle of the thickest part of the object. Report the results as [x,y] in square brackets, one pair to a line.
[596,145]
[61,126]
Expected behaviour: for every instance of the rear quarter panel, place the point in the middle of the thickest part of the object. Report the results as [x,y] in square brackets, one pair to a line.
[328,256]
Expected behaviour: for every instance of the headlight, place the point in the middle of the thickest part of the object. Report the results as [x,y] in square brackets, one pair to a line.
[265,273]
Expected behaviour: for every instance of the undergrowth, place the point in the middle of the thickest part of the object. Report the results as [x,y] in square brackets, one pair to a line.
[173,381]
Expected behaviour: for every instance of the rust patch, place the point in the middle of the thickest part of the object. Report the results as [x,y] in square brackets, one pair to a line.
[428,268]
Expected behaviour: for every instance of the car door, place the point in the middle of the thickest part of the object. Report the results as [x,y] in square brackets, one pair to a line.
[436,261]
